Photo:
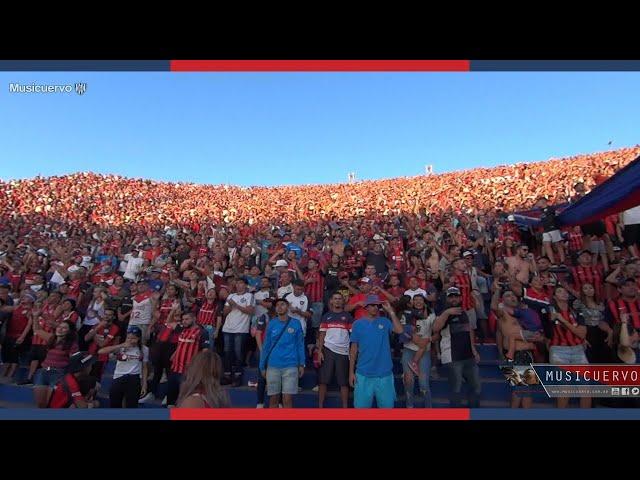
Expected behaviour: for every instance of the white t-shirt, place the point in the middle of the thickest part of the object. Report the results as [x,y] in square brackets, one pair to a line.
[129,361]
[301,302]
[134,265]
[236,321]
[284,291]
[631,216]
[86,261]
[142,310]
[417,291]
[94,312]
[258,297]
[424,327]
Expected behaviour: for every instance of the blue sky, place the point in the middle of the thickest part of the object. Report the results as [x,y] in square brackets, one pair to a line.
[300,128]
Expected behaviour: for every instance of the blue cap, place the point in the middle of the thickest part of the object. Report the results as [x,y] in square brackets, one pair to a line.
[133,330]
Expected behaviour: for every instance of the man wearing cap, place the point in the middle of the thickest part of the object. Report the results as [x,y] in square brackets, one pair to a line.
[286,287]
[370,364]
[457,349]
[356,305]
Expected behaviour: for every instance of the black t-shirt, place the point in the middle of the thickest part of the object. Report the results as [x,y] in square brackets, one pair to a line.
[331,280]
[455,344]
[548,219]
[378,261]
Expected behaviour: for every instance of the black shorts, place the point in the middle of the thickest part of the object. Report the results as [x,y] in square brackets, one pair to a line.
[631,234]
[37,352]
[334,364]
[11,352]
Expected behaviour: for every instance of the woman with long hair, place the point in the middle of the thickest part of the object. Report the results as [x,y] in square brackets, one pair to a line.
[61,344]
[201,385]
[593,313]
[567,333]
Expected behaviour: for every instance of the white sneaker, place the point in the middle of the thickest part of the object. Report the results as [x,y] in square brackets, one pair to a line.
[149,397]
[260,405]
[316,388]
[280,405]
[164,401]
[164,377]
[252,384]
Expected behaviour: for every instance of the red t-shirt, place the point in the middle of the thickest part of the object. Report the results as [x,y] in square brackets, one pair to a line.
[190,342]
[108,334]
[64,397]
[360,312]
[18,322]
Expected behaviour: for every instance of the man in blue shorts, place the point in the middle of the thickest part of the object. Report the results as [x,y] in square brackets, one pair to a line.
[370,364]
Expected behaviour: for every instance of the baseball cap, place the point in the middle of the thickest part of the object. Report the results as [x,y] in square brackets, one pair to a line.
[43,252]
[365,280]
[372,300]
[80,360]
[134,330]
[281,263]
[453,291]
[467,253]
[617,249]
[511,218]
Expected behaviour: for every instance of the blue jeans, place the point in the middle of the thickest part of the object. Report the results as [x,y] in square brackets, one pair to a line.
[423,379]
[48,377]
[211,332]
[567,355]
[467,369]
[317,308]
[234,352]
[368,388]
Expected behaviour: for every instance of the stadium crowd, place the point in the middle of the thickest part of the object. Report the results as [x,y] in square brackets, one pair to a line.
[187,283]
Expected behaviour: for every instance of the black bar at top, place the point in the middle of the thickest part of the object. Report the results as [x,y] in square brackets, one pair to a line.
[84,65]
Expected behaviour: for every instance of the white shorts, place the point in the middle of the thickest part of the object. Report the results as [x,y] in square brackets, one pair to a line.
[553,236]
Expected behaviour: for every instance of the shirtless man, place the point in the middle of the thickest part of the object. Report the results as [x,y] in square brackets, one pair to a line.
[522,265]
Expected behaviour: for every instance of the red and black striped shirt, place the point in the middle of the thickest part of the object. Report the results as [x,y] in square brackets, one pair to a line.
[616,307]
[575,241]
[463,282]
[165,309]
[208,313]
[315,290]
[591,274]
[190,342]
[564,337]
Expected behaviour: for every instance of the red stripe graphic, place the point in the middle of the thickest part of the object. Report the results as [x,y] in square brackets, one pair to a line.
[320,65]
[319,414]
